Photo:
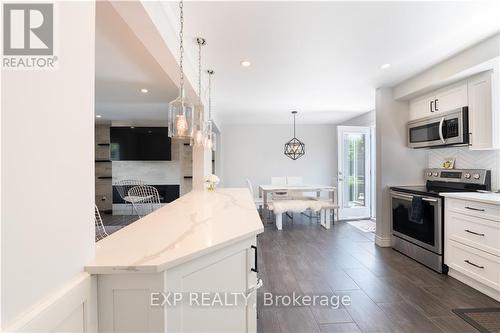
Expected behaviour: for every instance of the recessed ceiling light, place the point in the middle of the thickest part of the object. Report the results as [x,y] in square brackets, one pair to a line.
[245,63]
[98,116]
[144,91]
[385,66]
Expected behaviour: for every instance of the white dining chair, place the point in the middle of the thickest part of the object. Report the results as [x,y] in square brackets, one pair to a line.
[123,187]
[145,199]
[100,231]
[259,202]
[294,180]
[278,181]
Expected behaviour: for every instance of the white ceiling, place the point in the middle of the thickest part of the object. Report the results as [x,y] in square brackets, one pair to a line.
[323,58]
[123,67]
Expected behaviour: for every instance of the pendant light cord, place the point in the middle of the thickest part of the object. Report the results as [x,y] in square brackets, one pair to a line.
[181,48]
[199,69]
[210,73]
[294,125]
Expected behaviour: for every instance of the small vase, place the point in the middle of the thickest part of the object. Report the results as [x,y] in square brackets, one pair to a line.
[211,187]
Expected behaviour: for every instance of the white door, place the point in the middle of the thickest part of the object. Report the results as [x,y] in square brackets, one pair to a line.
[354,172]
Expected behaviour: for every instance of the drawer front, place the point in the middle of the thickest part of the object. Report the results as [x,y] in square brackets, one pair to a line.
[476,264]
[474,208]
[473,231]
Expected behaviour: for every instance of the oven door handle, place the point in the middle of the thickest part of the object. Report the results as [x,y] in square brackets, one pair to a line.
[441,136]
[410,197]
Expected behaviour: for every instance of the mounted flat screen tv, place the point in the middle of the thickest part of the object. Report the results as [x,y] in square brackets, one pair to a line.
[140,144]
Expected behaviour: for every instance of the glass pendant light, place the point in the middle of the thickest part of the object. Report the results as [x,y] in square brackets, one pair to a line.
[199,110]
[210,135]
[180,111]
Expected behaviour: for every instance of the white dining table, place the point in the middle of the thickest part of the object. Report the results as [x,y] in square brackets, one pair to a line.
[264,190]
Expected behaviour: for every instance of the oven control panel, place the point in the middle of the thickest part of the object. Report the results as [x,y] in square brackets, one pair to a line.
[474,176]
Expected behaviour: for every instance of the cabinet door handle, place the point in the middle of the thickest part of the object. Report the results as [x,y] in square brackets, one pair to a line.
[432,103]
[436,105]
[473,264]
[475,209]
[474,233]
[255,267]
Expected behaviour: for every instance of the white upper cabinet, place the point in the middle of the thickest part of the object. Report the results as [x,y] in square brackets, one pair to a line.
[445,99]
[480,93]
[484,119]
[451,97]
[422,107]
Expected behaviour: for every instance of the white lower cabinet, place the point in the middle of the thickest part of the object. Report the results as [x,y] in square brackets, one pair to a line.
[203,295]
[472,244]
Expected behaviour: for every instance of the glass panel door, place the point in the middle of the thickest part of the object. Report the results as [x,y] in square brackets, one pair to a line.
[354,172]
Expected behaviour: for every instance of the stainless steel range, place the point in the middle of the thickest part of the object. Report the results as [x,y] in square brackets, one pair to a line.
[417,212]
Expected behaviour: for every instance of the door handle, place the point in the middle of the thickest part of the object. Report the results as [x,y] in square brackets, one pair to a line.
[410,197]
[436,105]
[441,123]
[255,267]
[254,288]
[432,102]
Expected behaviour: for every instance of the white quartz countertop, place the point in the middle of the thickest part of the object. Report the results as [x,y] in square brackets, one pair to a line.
[489,197]
[196,224]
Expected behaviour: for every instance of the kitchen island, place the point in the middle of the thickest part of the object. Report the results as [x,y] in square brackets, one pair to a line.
[202,243]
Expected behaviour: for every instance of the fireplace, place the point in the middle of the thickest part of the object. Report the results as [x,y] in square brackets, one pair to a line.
[168,193]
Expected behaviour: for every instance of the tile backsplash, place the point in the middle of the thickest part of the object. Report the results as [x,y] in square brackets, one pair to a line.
[469,159]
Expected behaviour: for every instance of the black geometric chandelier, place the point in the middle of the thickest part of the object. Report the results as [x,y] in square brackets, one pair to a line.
[295,148]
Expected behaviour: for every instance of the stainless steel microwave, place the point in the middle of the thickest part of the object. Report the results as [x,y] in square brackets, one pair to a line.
[445,129]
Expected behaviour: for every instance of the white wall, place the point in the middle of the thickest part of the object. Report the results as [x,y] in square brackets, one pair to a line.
[396,163]
[366,119]
[47,154]
[478,58]
[256,152]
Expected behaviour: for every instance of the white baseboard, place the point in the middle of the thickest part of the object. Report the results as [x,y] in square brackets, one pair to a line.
[383,241]
[487,290]
[73,308]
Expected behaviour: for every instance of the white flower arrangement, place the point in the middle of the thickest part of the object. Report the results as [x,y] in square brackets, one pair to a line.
[212,181]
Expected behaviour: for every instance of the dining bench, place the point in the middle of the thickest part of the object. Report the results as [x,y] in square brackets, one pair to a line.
[325,207]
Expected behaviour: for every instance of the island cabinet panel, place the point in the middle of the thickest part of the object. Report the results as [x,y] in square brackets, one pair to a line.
[211,293]
[218,292]
[124,303]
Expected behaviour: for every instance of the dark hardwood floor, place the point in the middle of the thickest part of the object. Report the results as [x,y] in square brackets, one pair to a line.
[389,291]
[113,223]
